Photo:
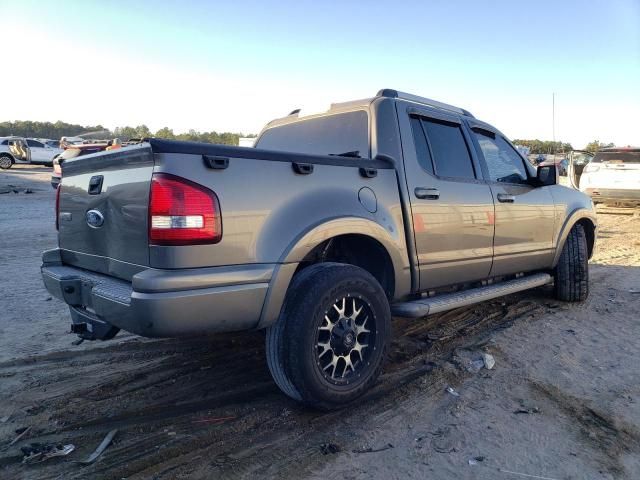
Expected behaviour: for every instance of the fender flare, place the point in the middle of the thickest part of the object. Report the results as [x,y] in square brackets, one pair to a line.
[576,216]
[393,243]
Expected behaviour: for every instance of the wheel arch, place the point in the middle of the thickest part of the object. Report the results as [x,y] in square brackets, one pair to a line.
[356,241]
[588,220]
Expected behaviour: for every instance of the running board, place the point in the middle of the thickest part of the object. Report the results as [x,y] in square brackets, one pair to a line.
[448,301]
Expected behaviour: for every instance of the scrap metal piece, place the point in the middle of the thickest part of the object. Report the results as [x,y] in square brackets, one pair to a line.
[101,448]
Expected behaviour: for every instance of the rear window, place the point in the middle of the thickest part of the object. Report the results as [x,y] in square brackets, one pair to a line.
[330,135]
[618,157]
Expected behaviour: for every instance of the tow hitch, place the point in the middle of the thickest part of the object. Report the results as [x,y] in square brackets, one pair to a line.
[89,327]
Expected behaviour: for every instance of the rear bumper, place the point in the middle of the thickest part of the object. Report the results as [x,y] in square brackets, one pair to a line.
[161,303]
[613,194]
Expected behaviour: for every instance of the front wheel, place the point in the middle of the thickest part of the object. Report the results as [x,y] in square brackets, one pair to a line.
[328,345]
[5,162]
[571,275]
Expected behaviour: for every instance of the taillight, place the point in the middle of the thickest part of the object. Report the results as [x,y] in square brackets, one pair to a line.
[58,188]
[182,212]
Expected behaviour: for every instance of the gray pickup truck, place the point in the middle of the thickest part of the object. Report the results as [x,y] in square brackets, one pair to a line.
[392,205]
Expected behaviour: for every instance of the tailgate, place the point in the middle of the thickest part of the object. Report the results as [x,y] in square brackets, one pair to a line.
[103,208]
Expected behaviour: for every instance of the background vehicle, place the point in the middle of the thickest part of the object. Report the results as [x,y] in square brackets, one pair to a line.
[13,150]
[25,150]
[612,176]
[41,152]
[72,152]
[393,204]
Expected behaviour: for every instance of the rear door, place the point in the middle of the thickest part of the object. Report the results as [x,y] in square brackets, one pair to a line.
[104,201]
[452,207]
[524,214]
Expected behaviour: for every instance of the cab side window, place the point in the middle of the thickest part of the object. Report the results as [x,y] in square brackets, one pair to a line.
[504,164]
[441,148]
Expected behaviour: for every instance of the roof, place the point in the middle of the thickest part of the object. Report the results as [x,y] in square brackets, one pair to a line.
[294,116]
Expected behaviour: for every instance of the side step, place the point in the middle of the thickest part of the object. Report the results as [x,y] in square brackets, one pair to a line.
[448,301]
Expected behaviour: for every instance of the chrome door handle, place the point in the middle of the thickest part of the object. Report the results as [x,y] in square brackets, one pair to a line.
[506,198]
[427,193]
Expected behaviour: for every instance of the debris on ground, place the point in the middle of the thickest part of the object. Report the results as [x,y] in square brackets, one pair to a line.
[526,409]
[374,450]
[329,448]
[476,460]
[489,361]
[21,433]
[101,448]
[452,392]
[39,452]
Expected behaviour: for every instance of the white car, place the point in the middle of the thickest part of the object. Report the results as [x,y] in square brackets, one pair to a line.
[612,176]
[25,150]
[42,152]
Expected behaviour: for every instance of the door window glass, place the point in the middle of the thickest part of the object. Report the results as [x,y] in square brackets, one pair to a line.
[503,162]
[449,150]
[420,141]
[33,143]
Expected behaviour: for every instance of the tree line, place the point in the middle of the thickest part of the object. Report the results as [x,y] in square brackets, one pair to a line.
[547,146]
[45,129]
[59,129]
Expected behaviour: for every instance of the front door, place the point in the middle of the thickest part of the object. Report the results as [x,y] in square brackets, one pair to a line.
[524,214]
[38,151]
[452,207]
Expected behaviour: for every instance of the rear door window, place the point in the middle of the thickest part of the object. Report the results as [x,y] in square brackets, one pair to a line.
[503,162]
[448,149]
[342,133]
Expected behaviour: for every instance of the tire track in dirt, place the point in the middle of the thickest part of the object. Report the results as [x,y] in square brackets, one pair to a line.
[165,396]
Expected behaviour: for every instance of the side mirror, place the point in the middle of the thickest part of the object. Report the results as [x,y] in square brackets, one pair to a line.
[547,175]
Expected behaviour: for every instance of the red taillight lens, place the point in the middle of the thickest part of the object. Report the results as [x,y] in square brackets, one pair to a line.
[182,212]
[58,207]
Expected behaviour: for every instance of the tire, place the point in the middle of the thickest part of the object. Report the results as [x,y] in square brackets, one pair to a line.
[5,162]
[328,345]
[571,275]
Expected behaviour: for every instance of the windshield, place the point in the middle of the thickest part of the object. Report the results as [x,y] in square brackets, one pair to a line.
[628,156]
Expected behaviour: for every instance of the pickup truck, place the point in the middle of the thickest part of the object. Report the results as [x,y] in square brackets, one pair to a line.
[393,205]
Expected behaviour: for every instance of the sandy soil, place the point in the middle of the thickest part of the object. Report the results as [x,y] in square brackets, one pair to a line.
[562,402]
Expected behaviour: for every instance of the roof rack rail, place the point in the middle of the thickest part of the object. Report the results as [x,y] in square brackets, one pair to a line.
[294,112]
[390,93]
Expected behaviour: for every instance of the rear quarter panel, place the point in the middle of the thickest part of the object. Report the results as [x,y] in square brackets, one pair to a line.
[272,215]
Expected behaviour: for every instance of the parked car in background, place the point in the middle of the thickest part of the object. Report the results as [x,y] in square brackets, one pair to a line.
[41,152]
[613,177]
[73,152]
[26,150]
[13,150]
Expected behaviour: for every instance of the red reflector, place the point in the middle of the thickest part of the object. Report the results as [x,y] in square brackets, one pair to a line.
[59,187]
[182,212]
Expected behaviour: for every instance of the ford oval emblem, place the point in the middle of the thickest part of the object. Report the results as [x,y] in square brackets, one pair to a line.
[94,218]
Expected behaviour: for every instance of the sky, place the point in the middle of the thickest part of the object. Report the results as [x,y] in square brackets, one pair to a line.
[233,66]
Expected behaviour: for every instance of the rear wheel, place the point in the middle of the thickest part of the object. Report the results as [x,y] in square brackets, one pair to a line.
[328,345]
[5,162]
[571,275]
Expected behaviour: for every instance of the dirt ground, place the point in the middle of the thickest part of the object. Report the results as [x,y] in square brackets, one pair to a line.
[562,402]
